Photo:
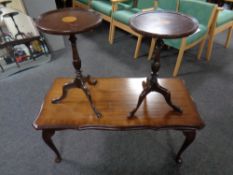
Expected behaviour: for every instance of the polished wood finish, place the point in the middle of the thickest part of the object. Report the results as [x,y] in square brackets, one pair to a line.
[51,22]
[160,25]
[164,25]
[115,97]
[70,21]
[47,137]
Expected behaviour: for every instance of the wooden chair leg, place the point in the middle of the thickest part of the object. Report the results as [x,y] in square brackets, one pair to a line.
[209,47]
[152,48]
[180,57]
[201,49]
[139,43]
[112,34]
[229,33]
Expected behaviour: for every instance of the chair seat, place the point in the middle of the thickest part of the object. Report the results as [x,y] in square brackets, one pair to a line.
[125,15]
[169,5]
[224,16]
[201,31]
[105,6]
[83,1]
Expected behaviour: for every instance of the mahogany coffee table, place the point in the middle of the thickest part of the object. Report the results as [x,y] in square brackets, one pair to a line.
[70,21]
[115,97]
[162,25]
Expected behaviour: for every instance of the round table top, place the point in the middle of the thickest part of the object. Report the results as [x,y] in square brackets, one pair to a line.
[163,24]
[67,21]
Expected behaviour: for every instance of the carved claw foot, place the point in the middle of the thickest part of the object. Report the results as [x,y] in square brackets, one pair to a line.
[178,160]
[98,114]
[58,160]
[177,109]
[90,80]
[131,115]
[56,100]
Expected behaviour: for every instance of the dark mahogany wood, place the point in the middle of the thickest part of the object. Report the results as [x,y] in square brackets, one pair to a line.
[189,138]
[47,135]
[115,97]
[52,21]
[163,24]
[71,21]
[160,25]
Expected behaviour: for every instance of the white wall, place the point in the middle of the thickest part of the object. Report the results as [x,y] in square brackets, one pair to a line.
[24,22]
[37,7]
[16,4]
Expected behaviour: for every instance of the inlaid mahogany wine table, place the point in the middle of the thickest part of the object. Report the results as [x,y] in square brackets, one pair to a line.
[160,25]
[115,97]
[70,21]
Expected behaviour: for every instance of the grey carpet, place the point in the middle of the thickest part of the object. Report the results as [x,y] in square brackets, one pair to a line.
[23,152]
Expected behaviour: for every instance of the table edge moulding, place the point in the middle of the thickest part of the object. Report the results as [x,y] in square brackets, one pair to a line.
[115,97]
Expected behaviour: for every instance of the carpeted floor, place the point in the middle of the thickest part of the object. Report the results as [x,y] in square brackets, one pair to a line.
[22,151]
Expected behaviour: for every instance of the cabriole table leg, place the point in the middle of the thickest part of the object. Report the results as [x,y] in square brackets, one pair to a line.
[189,138]
[47,137]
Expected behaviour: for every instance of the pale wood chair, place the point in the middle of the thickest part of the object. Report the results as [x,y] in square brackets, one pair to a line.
[223,20]
[120,19]
[169,5]
[84,4]
[204,12]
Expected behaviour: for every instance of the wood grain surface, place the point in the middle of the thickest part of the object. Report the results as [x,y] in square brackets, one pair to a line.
[53,21]
[115,98]
[163,24]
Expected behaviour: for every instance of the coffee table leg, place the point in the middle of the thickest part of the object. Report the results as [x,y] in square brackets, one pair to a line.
[189,138]
[47,137]
[152,84]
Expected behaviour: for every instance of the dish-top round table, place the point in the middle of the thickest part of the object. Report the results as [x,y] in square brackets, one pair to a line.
[70,21]
[162,25]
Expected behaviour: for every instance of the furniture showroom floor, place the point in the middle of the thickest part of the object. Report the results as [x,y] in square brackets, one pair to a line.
[129,152]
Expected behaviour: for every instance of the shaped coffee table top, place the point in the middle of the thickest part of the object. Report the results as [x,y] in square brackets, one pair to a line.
[115,98]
